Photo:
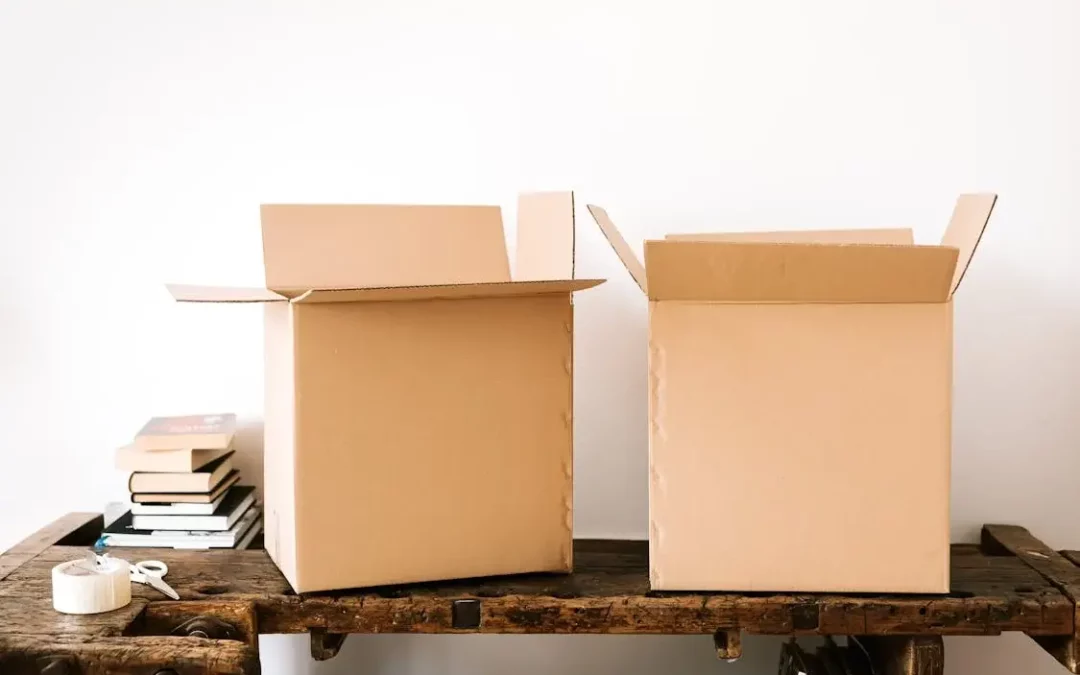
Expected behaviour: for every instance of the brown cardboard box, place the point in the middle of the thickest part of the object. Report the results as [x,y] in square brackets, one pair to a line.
[418,401]
[800,391]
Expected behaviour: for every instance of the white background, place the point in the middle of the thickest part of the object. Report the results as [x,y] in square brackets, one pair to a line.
[137,139]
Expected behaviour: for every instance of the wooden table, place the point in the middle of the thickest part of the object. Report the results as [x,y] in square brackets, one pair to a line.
[1011,582]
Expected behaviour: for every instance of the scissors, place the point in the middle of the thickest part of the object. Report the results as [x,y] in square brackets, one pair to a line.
[150,572]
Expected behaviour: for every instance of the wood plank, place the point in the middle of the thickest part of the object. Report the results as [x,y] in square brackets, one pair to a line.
[214,619]
[608,593]
[24,654]
[1058,570]
[24,551]
[1054,567]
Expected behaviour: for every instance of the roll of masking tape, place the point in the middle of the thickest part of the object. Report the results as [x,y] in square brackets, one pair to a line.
[86,587]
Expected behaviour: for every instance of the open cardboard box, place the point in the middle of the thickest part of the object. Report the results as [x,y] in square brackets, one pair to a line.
[800,388]
[418,401]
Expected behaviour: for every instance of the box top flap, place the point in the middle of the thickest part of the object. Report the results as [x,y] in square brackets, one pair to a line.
[770,272]
[622,249]
[366,245]
[969,218]
[448,291]
[191,293]
[545,236]
[856,236]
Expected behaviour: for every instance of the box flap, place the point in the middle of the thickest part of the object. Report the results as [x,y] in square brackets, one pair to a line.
[545,236]
[858,236]
[190,293]
[622,249]
[764,272]
[379,245]
[448,292]
[969,218]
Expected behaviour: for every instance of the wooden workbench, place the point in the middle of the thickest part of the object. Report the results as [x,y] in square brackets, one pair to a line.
[1012,582]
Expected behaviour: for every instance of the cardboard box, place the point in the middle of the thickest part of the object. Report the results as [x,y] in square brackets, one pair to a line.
[800,391]
[418,401]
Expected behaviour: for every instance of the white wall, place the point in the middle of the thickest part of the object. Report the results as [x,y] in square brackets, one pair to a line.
[138,137]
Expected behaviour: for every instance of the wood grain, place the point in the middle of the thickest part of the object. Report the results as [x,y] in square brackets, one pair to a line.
[129,656]
[608,593]
[21,553]
[1014,583]
[1057,569]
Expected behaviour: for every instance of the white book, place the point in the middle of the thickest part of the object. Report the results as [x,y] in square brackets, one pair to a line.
[121,534]
[236,502]
[252,532]
[176,508]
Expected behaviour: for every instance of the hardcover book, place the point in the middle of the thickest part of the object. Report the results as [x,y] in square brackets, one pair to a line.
[205,432]
[234,505]
[203,480]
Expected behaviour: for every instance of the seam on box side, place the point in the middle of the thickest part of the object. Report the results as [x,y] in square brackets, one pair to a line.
[294,315]
[568,457]
[657,387]
[951,348]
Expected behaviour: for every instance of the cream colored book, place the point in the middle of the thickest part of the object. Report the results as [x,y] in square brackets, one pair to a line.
[131,458]
[187,497]
[204,480]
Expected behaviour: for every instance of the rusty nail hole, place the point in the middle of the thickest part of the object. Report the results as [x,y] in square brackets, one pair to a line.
[922,611]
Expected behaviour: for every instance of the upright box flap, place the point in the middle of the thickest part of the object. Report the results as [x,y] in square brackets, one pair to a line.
[379,245]
[622,249]
[190,293]
[763,272]
[447,292]
[969,218]
[545,236]
[858,236]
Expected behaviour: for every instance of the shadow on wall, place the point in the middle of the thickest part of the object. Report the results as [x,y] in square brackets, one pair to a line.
[1016,397]
[519,654]
[249,452]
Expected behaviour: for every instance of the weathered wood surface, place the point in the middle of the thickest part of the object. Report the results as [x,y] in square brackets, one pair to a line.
[1013,583]
[51,534]
[26,655]
[1058,569]
[607,594]
[214,619]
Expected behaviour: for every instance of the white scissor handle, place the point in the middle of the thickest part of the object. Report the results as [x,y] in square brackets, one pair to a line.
[152,568]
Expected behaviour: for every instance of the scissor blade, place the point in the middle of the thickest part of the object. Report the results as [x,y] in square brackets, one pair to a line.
[159,583]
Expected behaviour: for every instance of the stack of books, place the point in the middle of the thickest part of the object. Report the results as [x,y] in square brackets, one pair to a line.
[185,491]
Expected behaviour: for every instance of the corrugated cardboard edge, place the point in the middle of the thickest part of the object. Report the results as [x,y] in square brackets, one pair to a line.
[856,236]
[622,249]
[969,218]
[448,292]
[568,457]
[545,236]
[279,441]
